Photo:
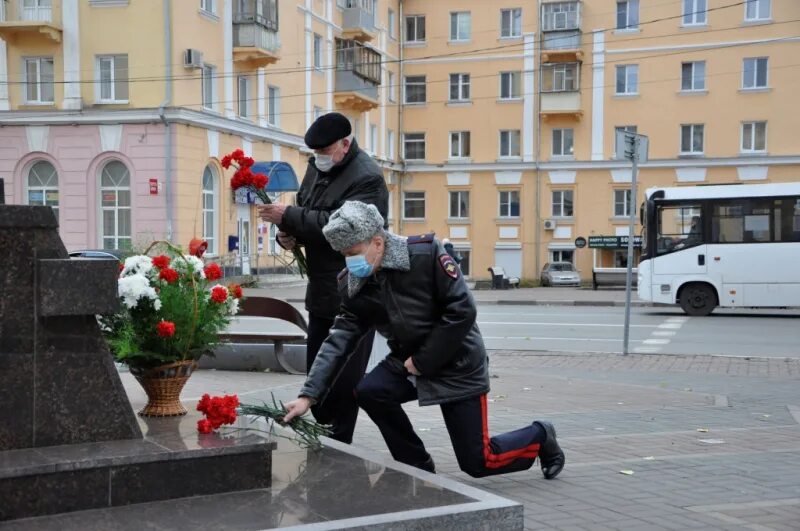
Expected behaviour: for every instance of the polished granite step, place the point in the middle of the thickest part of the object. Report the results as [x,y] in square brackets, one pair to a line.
[171,461]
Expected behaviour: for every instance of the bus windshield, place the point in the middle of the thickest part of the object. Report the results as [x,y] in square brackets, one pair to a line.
[679,227]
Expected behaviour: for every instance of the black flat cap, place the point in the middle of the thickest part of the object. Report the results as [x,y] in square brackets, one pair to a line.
[327,129]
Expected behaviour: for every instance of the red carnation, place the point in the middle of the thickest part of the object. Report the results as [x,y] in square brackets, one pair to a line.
[169,274]
[226,161]
[161,261]
[246,175]
[236,181]
[260,181]
[212,271]
[246,162]
[204,403]
[204,426]
[218,410]
[121,267]
[219,294]
[236,291]
[165,329]
[237,155]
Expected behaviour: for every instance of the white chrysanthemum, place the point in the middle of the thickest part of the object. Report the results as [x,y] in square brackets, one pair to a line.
[181,265]
[133,288]
[137,265]
[233,306]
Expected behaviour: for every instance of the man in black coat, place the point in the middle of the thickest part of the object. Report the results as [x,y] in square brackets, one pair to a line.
[338,172]
[412,292]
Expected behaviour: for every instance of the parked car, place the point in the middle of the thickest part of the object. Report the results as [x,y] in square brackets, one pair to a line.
[560,274]
[108,254]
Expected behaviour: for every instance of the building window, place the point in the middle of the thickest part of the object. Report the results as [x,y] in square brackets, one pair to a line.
[115,205]
[414,146]
[210,209]
[620,128]
[561,77]
[459,144]
[460,26]
[560,16]
[627,14]
[510,85]
[390,144]
[509,203]
[694,12]
[757,10]
[39,86]
[562,255]
[563,142]
[413,205]
[208,75]
[459,204]
[208,6]
[465,260]
[112,78]
[459,87]
[43,185]
[415,89]
[693,76]
[391,86]
[562,204]
[272,245]
[415,28]
[622,200]
[754,137]
[627,79]
[317,52]
[392,24]
[317,112]
[244,96]
[509,143]
[274,106]
[510,23]
[754,73]
[373,138]
[692,139]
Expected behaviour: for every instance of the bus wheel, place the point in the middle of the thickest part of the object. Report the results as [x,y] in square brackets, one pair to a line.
[698,299]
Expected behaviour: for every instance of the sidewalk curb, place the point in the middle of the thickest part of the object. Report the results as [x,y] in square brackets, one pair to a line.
[508,302]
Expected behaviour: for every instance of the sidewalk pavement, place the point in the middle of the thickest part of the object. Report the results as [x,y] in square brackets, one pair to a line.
[293,290]
[652,442]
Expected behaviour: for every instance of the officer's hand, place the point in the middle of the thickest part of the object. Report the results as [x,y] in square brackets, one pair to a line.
[287,242]
[410,367]
[296,408]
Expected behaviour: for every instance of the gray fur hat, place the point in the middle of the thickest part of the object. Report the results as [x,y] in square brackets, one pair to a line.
[353,223]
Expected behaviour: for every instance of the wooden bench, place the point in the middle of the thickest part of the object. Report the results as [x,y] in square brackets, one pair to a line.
[612,276]
[500,280]
[273,315]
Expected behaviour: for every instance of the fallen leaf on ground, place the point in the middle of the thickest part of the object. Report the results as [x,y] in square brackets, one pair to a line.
[711,441]
[649,458]
[526,388]
[626,472]
[423,429]
[702,430]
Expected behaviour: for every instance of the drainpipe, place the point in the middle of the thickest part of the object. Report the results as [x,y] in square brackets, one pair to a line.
[167,5]
[538,110]
[401,155]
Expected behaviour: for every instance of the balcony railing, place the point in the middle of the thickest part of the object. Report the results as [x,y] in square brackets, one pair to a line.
[26,11]
[362,61]
[561,16]
[358,20]
[261,12]
[256,36]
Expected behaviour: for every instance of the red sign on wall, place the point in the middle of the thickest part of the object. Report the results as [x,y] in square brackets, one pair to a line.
[153,186]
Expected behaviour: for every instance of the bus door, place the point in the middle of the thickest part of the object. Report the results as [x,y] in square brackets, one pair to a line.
[680,243]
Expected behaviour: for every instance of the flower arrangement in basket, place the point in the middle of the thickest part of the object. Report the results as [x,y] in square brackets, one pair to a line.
[173,310]
[257,183]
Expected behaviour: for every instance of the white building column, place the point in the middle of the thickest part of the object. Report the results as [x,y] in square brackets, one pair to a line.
[4,104]
[383,151]
[598,93]
[262,102]
[329,63]
[227,50]
[529,95]
[72,56]
[309,62]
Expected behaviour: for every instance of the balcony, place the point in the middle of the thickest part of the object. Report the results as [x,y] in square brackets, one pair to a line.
[255,33]
[358,74]
[29,18]
[358,21]
[561,32]
[565,104]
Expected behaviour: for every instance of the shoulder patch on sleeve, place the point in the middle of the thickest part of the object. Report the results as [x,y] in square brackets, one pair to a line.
[448,266]
[421,238]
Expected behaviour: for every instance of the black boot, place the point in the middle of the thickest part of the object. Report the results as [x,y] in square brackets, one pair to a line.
[551,456]
[427,466]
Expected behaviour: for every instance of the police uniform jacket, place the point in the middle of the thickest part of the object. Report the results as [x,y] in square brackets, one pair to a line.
[356,178]
[420,302]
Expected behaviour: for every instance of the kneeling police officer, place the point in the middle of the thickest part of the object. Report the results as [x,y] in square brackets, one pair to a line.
[412,292]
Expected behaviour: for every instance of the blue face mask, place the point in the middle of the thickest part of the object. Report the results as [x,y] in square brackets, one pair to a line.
[358,266]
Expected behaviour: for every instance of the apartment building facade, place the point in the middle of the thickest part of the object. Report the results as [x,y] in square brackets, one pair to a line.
[117,112]
[494,121]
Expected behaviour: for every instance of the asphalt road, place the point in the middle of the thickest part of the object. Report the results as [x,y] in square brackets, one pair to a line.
[589,330]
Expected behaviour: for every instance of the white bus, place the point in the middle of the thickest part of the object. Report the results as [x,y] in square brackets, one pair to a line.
[728,245]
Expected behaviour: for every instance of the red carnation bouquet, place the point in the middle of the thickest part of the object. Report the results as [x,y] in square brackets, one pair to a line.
[244,177]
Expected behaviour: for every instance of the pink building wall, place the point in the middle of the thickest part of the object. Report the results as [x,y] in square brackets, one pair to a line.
[79,153]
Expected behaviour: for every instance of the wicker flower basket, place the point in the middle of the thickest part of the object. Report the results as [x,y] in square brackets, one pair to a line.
[163,386]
